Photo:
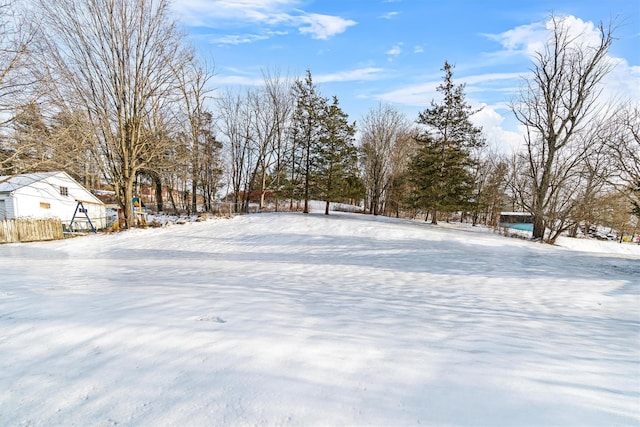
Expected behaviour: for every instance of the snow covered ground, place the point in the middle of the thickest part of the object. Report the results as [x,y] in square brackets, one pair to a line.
[292,319]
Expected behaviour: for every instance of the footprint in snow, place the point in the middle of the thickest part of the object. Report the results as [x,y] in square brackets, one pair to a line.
[211,319]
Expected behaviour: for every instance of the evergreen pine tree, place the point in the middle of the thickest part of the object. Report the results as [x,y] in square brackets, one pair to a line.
[307,129]
[440,172]
[337,159]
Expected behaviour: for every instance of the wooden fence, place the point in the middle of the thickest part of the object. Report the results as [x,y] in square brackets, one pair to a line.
[30,230]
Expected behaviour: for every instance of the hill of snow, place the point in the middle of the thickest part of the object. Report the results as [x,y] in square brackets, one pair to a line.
[292,319]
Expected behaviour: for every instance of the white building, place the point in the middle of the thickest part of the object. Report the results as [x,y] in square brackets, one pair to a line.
[50,195]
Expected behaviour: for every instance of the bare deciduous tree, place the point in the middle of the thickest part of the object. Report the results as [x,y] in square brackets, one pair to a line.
[398,187]
[625,146]
[16,86]
[113,60]
[54,143]
[235,125]
[193,80]
[557,99]
[490,194]
[255,126]
[275,120]
[382,131]
[594,173]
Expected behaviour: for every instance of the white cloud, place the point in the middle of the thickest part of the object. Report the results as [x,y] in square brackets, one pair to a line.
[237,80]
[369,73]
[525,39]
[241,78]
[214,12]
[415,95]
[489,77]
[492,121]
[283,13]
[421,94]
[390,15]
[394,51]
[323,26]
[418,49]
[498,88]
[236,39]
[529,39]
[493,129]
[621,84]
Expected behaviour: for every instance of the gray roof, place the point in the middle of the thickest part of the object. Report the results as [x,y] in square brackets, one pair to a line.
[11,183]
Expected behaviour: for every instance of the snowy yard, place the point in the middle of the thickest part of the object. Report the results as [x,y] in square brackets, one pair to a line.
[292,319]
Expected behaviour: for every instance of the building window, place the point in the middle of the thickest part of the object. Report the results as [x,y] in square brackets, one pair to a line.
[64,191]
[44,205]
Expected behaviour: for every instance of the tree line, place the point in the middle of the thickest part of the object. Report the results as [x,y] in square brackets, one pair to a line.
[287,141]
[109,91]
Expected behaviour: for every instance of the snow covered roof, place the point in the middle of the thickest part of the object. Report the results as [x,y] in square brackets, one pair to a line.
[12,183]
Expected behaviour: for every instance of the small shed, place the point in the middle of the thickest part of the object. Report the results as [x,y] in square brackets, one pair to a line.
[522,221]
[44,195]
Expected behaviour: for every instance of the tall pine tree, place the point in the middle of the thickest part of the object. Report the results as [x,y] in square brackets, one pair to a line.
[307,130]
[337,159]
[440,172]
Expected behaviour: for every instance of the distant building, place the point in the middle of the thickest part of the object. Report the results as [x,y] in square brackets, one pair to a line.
[43,195]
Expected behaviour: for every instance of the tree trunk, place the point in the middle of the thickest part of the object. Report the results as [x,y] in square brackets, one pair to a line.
[306,183]
[159,200]
[194,196]
[376,200]
[326,208]
[173,200]
[127,205]
[574,231]
[264,188]
[434,217]
[236,201]
[538,227]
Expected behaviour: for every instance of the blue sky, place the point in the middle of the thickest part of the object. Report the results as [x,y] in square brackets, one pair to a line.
[371,51]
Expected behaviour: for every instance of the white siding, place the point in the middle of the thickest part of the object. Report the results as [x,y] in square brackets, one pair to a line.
[43,199]
[6,207]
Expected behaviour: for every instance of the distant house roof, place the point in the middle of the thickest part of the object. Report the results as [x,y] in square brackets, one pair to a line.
[12,183]
[516,213]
